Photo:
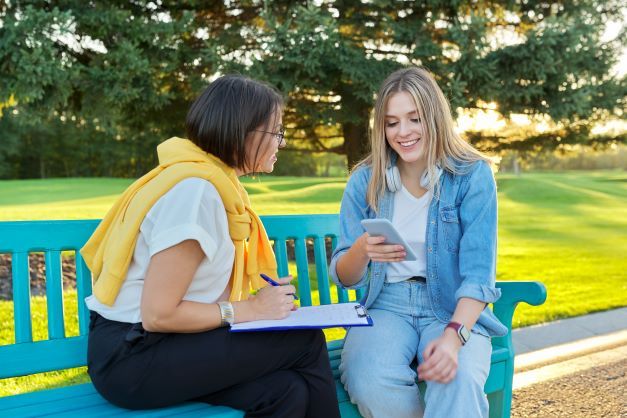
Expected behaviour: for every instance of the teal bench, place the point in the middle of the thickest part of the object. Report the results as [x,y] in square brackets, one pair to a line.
[310,235]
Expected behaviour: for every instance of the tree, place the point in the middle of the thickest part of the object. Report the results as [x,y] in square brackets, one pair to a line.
[124,73]
[331,58]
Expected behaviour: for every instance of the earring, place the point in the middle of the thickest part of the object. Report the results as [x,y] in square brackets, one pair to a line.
[393,179]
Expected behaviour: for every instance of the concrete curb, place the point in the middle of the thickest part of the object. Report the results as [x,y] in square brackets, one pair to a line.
[574,366]
[562,352]
[563,331]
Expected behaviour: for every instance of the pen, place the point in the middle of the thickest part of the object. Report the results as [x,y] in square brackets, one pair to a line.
[273,283]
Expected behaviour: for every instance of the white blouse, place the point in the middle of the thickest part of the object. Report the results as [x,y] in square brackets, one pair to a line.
[192,209]
[410,220]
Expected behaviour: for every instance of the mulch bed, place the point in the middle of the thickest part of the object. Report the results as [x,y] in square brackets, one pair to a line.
[599,391]
[37,270]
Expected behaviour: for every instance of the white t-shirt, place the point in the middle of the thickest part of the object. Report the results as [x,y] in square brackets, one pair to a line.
[192,209]
[410,220]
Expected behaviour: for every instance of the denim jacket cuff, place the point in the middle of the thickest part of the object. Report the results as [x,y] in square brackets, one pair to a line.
[336,279]
[480,292]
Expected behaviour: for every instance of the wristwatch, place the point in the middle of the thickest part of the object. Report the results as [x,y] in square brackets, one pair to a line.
[462,331]
[226,313]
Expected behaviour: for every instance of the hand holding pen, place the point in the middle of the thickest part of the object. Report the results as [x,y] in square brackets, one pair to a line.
[275,301]
[273,283]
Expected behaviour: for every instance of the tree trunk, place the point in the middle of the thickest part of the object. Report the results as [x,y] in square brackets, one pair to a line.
[42,167]
[356,142]
[515,165]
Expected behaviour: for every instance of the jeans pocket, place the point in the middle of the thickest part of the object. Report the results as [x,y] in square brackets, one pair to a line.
[452,228]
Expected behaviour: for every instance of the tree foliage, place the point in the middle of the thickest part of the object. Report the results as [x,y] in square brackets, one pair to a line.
[89,88]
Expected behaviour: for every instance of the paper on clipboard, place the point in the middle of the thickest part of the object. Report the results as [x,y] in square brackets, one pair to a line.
[313,317]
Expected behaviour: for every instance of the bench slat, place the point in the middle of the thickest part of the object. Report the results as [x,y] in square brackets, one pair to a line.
[302,269]
[342,294]
[83,289]
[29,236]
[42,356]
[21,297]
[54,295]
[320,254]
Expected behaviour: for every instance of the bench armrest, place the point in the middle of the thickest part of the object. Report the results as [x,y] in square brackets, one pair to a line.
[533,293]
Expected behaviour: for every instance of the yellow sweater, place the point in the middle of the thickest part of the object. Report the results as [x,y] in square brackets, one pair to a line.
[109,251]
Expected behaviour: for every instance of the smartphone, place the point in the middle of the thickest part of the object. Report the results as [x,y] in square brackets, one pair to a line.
[383,227]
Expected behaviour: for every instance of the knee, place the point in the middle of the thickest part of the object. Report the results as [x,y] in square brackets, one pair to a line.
[472,378]
[467,382]
[378,393]
[297,387]
[463,396]
[359,385]
[296,394]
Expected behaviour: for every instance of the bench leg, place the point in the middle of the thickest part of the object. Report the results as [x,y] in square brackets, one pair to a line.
[501,403]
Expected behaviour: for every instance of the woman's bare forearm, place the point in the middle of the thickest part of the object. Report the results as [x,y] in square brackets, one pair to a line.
[191,316]
[352,265]
[467,311]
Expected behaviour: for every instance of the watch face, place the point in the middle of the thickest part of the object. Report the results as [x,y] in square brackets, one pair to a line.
[464,333]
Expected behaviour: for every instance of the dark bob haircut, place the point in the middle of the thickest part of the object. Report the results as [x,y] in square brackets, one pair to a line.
[226,112]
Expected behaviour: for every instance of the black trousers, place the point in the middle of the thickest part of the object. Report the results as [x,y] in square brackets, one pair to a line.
[265,374]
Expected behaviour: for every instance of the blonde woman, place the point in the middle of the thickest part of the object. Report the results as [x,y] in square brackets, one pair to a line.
[440,194]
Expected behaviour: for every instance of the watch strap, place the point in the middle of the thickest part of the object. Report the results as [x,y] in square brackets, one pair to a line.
[458,329]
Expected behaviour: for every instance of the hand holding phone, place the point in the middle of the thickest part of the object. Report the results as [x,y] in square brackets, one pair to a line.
[383,227]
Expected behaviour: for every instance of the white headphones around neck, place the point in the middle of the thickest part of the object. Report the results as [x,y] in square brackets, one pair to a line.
[394,183]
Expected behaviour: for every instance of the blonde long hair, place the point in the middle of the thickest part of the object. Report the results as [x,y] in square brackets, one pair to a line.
[446,149]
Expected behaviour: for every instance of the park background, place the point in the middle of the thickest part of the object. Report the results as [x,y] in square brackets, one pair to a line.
[87,91]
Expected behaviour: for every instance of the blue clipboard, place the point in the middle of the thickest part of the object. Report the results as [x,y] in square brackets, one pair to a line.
[313,317]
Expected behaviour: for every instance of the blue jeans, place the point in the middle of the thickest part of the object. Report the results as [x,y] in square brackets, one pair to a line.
[377,369]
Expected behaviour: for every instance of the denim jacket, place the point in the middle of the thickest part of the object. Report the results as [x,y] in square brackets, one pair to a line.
[460,241]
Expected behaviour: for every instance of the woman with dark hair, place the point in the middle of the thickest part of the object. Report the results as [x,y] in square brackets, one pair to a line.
[174,262]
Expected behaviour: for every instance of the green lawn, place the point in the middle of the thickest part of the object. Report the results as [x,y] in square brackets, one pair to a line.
[90,198]
[568,230]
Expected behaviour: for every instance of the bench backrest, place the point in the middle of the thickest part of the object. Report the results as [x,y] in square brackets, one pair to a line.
[293,234]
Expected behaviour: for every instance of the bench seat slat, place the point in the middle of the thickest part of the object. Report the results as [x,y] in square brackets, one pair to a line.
[43,396]
[105,409]
[55,404]
[85,400]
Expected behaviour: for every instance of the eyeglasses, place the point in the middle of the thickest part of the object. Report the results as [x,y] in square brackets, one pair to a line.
[280,136]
